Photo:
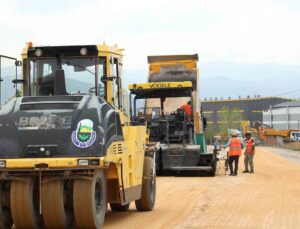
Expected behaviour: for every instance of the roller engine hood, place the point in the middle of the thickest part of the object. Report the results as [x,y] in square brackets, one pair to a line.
[56,126]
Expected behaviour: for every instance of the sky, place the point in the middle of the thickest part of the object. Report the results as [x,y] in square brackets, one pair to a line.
[220,31]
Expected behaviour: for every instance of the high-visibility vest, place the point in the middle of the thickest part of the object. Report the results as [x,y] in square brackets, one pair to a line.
[249,144]
[187,108]
[235,148]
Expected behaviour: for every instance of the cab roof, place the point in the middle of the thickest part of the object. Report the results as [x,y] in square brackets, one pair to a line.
[71,50]
[153,59]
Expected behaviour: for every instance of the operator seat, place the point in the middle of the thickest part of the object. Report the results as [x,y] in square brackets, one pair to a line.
[46,85]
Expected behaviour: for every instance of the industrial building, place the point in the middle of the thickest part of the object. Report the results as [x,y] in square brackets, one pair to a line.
[283,116]
[251,108]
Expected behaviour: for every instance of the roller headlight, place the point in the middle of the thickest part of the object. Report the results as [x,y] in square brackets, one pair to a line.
[95,162]
[87,162]
[83,51]
[38,52]
[83,162]
[2,164]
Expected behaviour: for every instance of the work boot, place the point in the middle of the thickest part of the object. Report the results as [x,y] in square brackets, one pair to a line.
[246,171]
[235,174]
[230,174]
[252,171]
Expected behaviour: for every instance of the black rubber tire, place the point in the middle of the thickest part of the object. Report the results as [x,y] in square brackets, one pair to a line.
[6,221]
[158,163]
[119,207]
[147,201]
[213,171]
[89,201]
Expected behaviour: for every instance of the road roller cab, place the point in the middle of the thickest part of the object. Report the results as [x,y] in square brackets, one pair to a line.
[67,146]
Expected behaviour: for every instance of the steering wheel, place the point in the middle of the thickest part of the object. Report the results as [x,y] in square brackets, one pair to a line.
[101,92]
[92,90]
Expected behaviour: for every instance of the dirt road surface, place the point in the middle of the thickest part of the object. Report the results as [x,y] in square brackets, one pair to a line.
[269,198]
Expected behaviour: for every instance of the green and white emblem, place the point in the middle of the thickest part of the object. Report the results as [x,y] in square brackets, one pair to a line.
[84,136]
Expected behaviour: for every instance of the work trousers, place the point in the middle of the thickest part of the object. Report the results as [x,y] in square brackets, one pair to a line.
[248,160]
[234,159]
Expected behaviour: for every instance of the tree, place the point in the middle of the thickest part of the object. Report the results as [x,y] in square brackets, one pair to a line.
[18,93]
[229,119]
[210,132]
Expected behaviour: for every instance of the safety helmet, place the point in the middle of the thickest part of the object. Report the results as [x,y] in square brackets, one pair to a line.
[234,133]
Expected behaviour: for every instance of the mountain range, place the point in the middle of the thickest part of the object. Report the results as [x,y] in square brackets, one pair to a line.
[217,79]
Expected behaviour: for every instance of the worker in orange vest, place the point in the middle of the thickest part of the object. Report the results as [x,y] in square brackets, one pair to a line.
[235,145]
[249,153]
[187,109]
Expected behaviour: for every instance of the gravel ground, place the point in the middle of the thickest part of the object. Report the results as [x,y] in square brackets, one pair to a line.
[293,156]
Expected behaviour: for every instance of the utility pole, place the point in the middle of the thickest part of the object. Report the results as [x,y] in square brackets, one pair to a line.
[1,79]
[271,117]
[288,117]
[0,84]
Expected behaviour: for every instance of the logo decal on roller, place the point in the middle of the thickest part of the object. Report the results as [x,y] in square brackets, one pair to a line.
[84,136]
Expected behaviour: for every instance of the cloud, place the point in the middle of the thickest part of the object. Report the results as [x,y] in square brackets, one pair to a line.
[257,31]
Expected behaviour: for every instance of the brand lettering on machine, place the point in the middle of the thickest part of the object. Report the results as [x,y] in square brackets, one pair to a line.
[44,122]
[159,85]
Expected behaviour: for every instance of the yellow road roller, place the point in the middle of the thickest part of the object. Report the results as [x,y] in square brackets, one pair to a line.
[67,145]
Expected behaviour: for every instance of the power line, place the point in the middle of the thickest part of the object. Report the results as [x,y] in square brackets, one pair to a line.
[288,92]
